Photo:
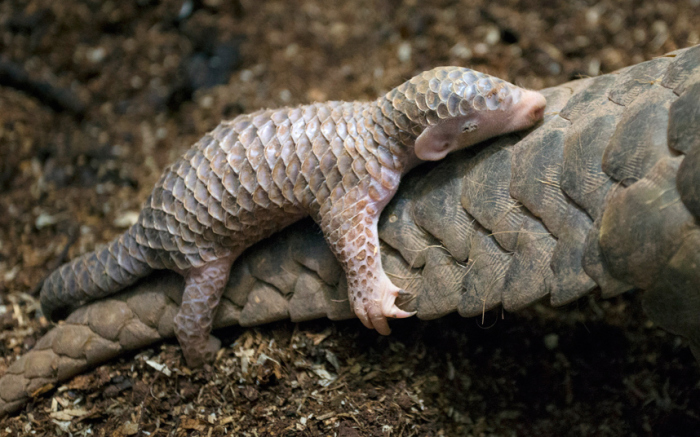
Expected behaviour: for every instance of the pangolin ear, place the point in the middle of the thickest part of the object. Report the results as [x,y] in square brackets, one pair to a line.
[435,142]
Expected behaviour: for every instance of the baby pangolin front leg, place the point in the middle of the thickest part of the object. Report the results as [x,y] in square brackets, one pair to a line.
[339,162]
[350,227]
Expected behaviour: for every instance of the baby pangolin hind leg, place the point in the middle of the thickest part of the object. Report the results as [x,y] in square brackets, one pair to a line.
[203,289]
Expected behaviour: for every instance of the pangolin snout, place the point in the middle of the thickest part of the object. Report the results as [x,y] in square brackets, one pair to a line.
[534,104]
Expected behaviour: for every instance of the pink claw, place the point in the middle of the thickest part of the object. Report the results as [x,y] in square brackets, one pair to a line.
[389,308]
[380,305]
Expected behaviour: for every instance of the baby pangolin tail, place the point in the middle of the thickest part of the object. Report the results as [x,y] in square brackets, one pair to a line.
[92,276]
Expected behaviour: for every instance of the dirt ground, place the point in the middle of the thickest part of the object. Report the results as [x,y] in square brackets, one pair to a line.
[96,97]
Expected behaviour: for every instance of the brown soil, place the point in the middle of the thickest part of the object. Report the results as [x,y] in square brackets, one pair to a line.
[96,97]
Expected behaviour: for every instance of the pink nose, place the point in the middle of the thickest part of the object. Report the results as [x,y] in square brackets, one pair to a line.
[533,104]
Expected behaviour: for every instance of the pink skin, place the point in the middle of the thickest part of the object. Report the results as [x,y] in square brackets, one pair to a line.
[377,301]
[371,292]
[457,133]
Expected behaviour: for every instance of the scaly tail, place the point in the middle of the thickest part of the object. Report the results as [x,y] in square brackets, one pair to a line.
[92,276]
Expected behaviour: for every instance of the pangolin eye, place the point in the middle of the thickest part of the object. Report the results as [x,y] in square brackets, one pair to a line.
[469,126]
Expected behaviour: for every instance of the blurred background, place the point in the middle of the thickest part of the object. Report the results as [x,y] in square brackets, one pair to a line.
[96,97]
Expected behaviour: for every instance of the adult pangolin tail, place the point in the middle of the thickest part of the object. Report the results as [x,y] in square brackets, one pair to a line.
[92,276]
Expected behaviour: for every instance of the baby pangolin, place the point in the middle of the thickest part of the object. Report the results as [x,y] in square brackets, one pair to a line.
[339,162]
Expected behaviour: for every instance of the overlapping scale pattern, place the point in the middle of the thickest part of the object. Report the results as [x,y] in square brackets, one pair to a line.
[447,92]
